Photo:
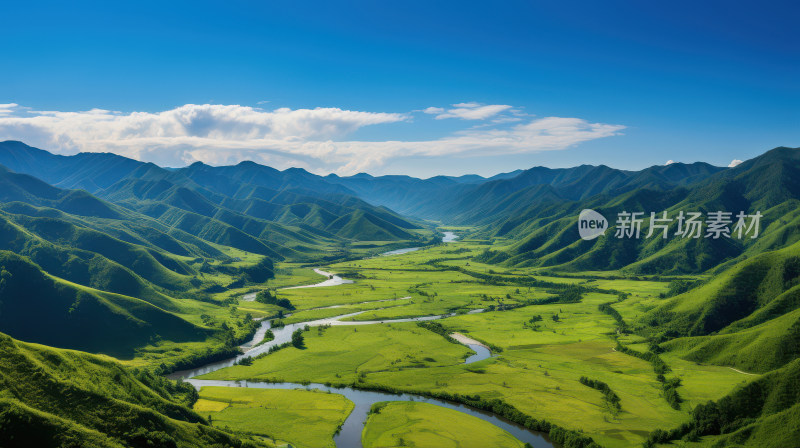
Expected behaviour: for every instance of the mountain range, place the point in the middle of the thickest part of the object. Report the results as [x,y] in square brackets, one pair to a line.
[287,213]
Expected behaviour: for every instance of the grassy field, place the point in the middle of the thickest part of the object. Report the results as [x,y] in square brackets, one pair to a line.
[541,362]
[433,290]
[346,354]
[306,419]
[293,274]
[413,424]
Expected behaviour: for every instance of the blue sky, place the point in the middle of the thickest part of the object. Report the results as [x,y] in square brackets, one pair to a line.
[345,86]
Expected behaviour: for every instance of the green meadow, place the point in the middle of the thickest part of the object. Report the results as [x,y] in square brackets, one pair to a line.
[393,424]
[305,419]
[344,354]
[293,274]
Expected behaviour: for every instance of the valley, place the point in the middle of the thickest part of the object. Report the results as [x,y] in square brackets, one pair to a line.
[535,368]
[243,306]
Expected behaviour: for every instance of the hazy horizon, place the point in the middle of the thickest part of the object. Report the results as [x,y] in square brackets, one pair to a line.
[733,163]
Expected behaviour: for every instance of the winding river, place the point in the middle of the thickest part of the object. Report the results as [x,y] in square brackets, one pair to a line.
[448,237]
[333,280]
[350,434]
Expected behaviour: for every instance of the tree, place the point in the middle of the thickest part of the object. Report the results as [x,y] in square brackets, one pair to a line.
[285,303]
[266,296]
[5,277]
[297,339]
[555,317]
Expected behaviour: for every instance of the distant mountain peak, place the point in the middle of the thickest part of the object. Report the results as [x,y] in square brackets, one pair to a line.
[296,170]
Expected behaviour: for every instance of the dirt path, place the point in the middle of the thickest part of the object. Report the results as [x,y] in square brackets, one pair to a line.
[743,373]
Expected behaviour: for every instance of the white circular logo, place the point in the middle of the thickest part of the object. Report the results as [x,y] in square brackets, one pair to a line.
[591,224]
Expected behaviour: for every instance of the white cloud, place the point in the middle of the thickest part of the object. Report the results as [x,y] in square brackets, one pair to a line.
[433,110]
[468,111]
[734,162]
[506,120]
[316,139]
[7,109]
[669,162]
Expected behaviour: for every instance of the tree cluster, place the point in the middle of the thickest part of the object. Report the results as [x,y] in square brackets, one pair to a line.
[610,397]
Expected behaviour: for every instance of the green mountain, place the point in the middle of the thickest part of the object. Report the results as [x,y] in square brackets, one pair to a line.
[89,172]
[125,252]
[39,307]
[28,189]
[275,213]
[107,279]
[746,316]
[545,234]
[476,200]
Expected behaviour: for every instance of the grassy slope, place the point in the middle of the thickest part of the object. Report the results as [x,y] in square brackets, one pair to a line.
[53,397]
[751,310]
[104,286]
[82,266]
[758,349]
[420,425]
[40,308]
[764,413]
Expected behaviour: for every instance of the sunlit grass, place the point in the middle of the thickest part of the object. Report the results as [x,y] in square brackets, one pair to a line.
[307,419]
[420,424]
